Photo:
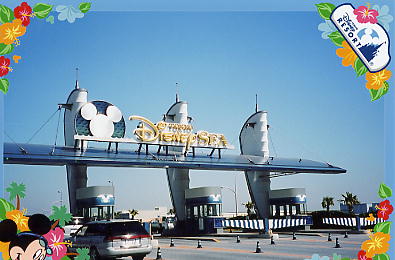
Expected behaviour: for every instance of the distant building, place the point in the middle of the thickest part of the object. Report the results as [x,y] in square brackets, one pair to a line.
[146,215]
[360,208]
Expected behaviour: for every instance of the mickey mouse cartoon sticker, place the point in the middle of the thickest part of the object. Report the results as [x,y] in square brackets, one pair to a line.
[29,245]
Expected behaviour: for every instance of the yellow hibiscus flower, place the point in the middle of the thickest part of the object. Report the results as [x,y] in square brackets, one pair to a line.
[378,244]
[4,246]
[9,32]
[347,54]
[376,80]
[19,219]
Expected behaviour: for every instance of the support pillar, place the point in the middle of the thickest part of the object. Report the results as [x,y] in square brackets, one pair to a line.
[76,179]
[76,174]
[259,188]
[178,179]
[254,141]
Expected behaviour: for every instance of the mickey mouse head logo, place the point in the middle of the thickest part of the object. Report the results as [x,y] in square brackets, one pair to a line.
[100,119]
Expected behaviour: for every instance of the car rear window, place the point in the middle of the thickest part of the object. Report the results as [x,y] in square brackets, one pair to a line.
[124,228]
[97,230]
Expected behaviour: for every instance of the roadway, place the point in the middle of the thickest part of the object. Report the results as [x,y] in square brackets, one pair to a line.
[285,248]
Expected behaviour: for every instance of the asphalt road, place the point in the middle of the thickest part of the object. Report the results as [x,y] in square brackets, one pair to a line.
[285,248]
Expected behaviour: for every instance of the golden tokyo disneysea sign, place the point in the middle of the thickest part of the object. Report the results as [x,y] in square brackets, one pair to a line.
[176,134]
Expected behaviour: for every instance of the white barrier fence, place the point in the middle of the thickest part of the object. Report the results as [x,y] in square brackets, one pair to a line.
[364,222]
[283,223]
[260,223]
[250,224]
[351,222]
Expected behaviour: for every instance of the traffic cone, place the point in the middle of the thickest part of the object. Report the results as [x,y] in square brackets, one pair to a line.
[329,237]
[158,254]
[272,240]
[237,239]
[293,236]
[258,248]
[337,243]
[199,244]
[171,243]
[345,235]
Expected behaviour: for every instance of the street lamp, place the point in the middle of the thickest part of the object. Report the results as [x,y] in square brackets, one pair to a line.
[113,194]
[235,193]
[112,185]
[61,197]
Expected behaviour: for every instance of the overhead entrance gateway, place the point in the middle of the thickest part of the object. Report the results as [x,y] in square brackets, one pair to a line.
[171,144]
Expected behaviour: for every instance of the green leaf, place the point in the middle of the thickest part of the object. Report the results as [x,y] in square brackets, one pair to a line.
[325,10]
[384,227]
[336,38]
[6,14]
[384,191]
[50,19]
[4,207]
[65,258]
[359,67]
[376,94]
[85,7]
[42,10]
[6,48]
[83,254]
[381,257]
[4,84]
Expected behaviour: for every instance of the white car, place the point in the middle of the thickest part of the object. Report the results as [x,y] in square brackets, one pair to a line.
[113,238]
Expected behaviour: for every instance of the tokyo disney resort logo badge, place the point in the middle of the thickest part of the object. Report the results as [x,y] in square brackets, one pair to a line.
[362,42]
[367,38]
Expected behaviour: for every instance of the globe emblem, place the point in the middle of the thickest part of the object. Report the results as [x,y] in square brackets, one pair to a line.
[100,119]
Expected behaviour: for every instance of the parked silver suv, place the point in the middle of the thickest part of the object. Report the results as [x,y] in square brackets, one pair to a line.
[114,238]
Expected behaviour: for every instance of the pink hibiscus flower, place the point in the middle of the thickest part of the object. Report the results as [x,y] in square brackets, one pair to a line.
[362,255]
[366,15]
[385,209]
[4,66]
[23,13]
[55,241]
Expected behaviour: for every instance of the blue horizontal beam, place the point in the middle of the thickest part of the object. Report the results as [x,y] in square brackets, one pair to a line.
[34,154]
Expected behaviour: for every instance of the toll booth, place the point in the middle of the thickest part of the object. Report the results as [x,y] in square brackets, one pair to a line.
[95,202]
[203,207]
[288,202]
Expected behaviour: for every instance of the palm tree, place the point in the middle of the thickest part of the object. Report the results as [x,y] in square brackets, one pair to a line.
[327,202]
[60,216]
[350,200]
[17,191]
[133,212]
[250,207]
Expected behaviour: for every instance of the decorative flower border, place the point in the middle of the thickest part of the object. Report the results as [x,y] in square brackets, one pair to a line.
[14,23]
[55,236]
[376,82]
[377,246]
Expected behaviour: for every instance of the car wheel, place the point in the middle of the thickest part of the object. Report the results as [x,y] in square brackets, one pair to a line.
[94,254]
[138,257]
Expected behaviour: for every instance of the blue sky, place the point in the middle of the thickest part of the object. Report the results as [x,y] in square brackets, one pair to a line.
[317,108]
